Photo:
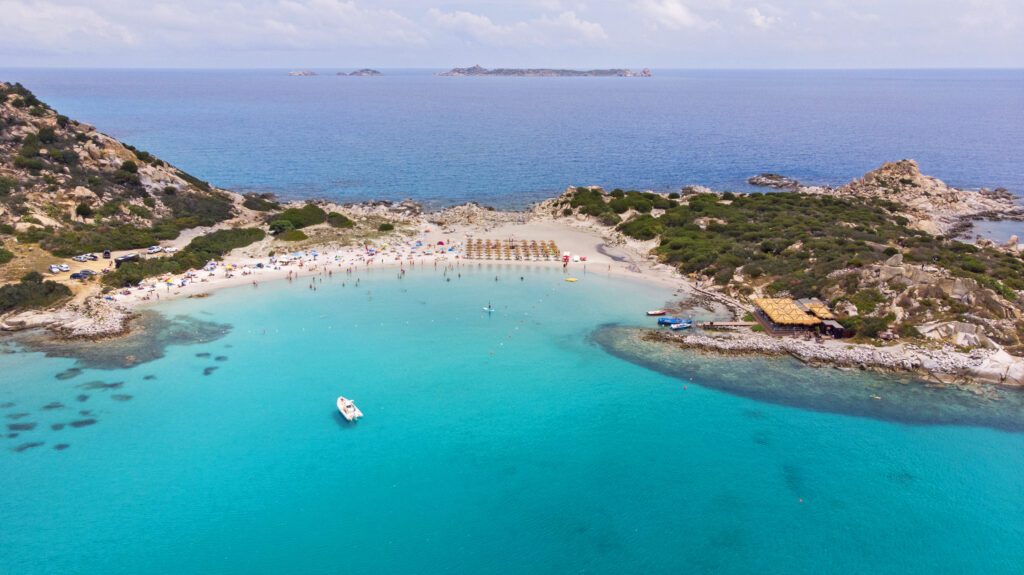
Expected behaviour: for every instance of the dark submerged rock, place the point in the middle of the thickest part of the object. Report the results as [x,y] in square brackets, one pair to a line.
[69,373]
[25,446]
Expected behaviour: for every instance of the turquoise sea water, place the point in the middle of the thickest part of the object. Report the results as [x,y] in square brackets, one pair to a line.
[549,455]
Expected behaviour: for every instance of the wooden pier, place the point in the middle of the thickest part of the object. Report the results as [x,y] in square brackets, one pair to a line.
[725,324]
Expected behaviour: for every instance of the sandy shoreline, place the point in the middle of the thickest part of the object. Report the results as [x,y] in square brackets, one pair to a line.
[236,269]
[592,249]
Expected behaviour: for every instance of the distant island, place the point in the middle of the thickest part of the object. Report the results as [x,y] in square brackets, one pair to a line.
[363,72]
[545,72]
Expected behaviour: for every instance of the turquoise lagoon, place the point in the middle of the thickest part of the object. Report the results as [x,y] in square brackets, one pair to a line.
[549,455]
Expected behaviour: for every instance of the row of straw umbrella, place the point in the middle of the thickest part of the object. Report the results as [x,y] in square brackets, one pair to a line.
[511,249]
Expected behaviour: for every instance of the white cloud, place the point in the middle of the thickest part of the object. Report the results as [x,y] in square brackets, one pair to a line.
[673,15]
[566,28]
[49,25]
[760,20]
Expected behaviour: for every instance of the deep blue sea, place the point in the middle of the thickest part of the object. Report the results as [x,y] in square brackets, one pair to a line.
[509,141]
[542,438]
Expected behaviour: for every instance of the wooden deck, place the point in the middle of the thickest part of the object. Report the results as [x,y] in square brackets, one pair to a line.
[714,324]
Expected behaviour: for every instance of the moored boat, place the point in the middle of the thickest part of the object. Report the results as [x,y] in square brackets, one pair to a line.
[657,312]
[348,409]
[680,326]
[671,320]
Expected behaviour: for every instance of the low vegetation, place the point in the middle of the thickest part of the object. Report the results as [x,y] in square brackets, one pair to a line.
[292,236]
[791,242]
[337,220]
[32,292]
[308,215]
[198,252]
[261,202]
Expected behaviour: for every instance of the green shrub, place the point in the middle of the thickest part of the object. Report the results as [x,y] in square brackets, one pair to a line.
[31,164]
[260,203]
[31,293]
[868,327]
[867,300]
[204,186]
[308,215]
[292,236]
[83,210]
[908,331]
[130,167]
[281,226]
[337,220]
[140,211]
[7,185]
[47,135]
[5,256]
[199,209]
[386,227]
[643,227]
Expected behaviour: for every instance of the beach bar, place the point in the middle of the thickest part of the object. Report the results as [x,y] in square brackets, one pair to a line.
[784,316]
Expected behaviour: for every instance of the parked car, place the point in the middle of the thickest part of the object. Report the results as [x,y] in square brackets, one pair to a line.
[125,259]
[78,276]
[81,258]
[54,269]
[170,250]
[106,254]
[91,257]
[154,250]
[87,272]
[64,267]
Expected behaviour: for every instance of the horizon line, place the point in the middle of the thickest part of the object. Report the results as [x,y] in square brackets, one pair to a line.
[432,68]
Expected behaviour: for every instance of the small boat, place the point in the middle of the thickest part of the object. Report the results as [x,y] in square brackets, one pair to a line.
[348,409]
[873,396]
[672,321]
[679,326]
[657,312]
[571,280]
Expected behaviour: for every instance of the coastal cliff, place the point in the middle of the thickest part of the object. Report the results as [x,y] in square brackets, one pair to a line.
[545,72]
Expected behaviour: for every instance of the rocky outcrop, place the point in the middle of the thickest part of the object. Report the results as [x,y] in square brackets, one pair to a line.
[944,364]
[774,181]
[361,73]
[94,318]
[930,204]
[302,73]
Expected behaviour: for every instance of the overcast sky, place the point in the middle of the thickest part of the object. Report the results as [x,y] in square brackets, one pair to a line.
[341,34]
